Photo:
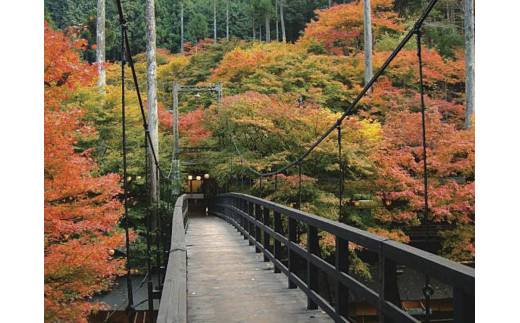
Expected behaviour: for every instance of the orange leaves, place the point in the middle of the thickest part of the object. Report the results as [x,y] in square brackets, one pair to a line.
[192,126]
[63,68]
[340,28]
[81,211]
[450,164]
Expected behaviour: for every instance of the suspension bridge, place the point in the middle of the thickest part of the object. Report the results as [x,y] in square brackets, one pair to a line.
[239,258]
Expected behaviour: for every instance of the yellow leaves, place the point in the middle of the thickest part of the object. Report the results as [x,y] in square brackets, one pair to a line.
[371,130]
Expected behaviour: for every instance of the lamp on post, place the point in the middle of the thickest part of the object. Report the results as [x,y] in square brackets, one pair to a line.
[190,178]
[205,191]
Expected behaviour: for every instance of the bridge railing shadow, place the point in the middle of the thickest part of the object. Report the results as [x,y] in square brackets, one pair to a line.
[273,230]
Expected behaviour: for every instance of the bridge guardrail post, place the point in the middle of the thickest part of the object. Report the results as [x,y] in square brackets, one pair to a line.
[277,244]
[250,224]
[267,238]
[292,254]
[389,289]
[245,220]
[342,263]
[313,248]
[463,306]
[258,232]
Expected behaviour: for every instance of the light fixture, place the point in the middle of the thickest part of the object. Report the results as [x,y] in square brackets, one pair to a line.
[206,176]
[190,177]
[198,178]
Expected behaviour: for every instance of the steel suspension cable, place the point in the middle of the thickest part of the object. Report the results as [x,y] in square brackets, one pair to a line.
[341,172]
[148,240]
[126,41]
[130,308]
[427,290]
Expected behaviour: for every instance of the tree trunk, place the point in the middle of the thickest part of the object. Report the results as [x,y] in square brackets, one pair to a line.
[277,21]
[151,99]
[100,42]
[227,20]
[182,26]
[260,32]
[469,31]
[215,20]
[267,28]
[368,40]
[281,20]
[254,29]
[330,3]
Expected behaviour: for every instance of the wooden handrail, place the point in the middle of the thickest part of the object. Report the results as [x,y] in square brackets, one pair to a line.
[173,305]
[260,221]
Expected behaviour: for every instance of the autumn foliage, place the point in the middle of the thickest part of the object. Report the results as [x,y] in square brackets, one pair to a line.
[81,208]
[340,29]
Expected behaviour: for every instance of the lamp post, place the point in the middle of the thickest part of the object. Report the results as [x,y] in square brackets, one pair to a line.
[206,177]
[190,178]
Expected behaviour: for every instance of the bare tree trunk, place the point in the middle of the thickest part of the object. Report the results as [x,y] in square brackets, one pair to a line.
[281,20]
[277,20]
[254,29]
[267,28]
[469,31]
[260,32]
[368,40]
[182,26]
[151,99]
[227,20]
[330,3]
[100,42]
[215,20]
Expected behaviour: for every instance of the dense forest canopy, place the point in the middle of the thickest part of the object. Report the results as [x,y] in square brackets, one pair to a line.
[443,30]
[278,99]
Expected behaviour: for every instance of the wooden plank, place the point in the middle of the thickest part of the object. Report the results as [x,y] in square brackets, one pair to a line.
[229,282]
[173,304]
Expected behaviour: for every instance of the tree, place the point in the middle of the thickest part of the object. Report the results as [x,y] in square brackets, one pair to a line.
[227,20]
[182,26]
[451,173]
[197,28]
[215,20]
[469,28]
[368,40]
[266,6]
[282,22]
[340,28]
[81,210]
[151,99]
[100,42]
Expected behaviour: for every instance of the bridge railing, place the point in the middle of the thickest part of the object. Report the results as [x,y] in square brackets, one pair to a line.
[173,304]
[260,221]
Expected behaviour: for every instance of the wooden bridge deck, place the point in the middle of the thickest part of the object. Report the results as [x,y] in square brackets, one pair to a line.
[229,282]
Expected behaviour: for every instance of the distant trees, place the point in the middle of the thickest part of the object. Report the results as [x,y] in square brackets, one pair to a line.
[197,28]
